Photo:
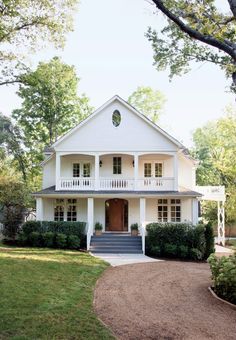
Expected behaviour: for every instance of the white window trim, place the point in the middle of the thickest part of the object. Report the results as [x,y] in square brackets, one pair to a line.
[169,210]
[65,205]
[153,162]
[81,166]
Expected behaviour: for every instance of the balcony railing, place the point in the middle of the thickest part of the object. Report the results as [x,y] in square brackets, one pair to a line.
[126,184]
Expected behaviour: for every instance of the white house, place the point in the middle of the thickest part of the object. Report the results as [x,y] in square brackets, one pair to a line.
[118,168]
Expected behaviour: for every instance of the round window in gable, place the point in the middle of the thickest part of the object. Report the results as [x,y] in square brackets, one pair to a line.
[116,118]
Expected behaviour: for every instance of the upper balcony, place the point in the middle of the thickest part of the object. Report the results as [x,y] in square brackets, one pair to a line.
[117,172]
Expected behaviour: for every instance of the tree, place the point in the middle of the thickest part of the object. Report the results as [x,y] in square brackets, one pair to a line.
[26,26]
[49,109]
[14,198]
[148,101]
[215,147]
[11,143]
[196,31]
[50,104]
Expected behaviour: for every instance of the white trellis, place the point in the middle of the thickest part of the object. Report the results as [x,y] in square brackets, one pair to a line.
[217,194]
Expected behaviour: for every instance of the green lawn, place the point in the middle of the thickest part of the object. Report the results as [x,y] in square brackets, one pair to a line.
[48,294]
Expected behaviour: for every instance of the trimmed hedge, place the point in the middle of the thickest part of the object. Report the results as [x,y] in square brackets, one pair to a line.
[224,276]
[52,234]
[179,240]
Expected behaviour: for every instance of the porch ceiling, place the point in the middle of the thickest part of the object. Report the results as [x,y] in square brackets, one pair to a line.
[51,192]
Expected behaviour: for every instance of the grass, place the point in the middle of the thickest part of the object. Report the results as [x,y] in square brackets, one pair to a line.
[48,294]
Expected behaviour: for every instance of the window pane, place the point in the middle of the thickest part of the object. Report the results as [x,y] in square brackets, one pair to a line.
[158,169]
[116,165]
[76,170]
[59,213]
[86,169]
[147,169]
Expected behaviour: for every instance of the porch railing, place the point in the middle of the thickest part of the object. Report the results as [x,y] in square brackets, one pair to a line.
[126,184]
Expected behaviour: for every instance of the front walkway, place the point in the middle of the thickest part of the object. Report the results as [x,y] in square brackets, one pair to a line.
[121,259]
[162,300]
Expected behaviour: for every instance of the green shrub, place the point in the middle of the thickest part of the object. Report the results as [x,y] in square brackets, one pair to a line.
[48,239]
[98,226]
[134,226]
[210,240]
[196,254]
[170,250]
[182,252]
[73,242]
[155,251]
[35,239]
[224,276]
[61,240]
[22,239]
[30,226]
[181,240]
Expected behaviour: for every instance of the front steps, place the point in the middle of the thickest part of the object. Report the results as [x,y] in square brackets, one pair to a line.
[116,243]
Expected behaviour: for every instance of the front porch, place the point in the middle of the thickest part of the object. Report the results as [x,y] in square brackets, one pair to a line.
[117,214]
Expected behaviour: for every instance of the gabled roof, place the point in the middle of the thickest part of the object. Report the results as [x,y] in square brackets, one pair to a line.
[131,108]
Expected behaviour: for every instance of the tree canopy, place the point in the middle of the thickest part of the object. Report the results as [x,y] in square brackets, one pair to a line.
[215,147]
[148,101]
[26,26]
[198,31]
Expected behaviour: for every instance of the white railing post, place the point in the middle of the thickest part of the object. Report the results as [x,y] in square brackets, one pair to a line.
[58,170]
[96,173]
[221,223]
[90,220]
[136,171]
[142,213]
[176,186]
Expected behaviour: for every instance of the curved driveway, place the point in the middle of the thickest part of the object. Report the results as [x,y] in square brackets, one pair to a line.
[162,300]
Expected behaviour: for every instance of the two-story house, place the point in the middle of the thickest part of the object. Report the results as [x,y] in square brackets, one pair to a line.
[118,168]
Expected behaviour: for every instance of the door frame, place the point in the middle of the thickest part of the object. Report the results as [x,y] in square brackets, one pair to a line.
[125,215]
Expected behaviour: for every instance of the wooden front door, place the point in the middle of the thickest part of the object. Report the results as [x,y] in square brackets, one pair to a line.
[116,215]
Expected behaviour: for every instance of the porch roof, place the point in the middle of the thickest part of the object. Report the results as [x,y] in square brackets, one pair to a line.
[52,192]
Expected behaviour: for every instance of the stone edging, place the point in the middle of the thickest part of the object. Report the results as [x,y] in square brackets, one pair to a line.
[220,299]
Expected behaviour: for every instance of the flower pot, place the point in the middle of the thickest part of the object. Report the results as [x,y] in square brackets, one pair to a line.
[98,232]
[134,232]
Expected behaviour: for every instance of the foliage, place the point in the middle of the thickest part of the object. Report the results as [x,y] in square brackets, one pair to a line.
[210,241]
[73,242]
[148,101]
[215,147]
[134,226]
[26,26]
[35,239]
[14,199]
[11,143]
[60,241]
[180,240]
[98,226]
[224,276]
[49,294]
[49,109]
[195,31]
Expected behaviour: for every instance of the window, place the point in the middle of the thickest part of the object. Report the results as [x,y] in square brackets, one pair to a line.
[158,169]
[116,118]
[71,210]
[116,165]
[59,210]
[147,169]
[86,170]
[175,210]
[162,210]
[76,170]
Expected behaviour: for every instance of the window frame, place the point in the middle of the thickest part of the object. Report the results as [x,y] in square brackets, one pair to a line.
[59,205]
[153,164]
[71,210]
[82,169]
[173,209]
[117,168]
[164,209]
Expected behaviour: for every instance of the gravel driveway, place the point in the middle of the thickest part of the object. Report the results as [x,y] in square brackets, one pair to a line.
[162,300]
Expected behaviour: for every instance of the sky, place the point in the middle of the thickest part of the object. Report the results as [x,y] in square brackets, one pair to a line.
[112,56]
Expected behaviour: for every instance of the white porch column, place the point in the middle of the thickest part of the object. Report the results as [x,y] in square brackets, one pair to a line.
[194,211]
[221,223]
[175,161]
[142,214]
[96,174]
[39,209]
[58,170]
[136,171]
[90,219]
